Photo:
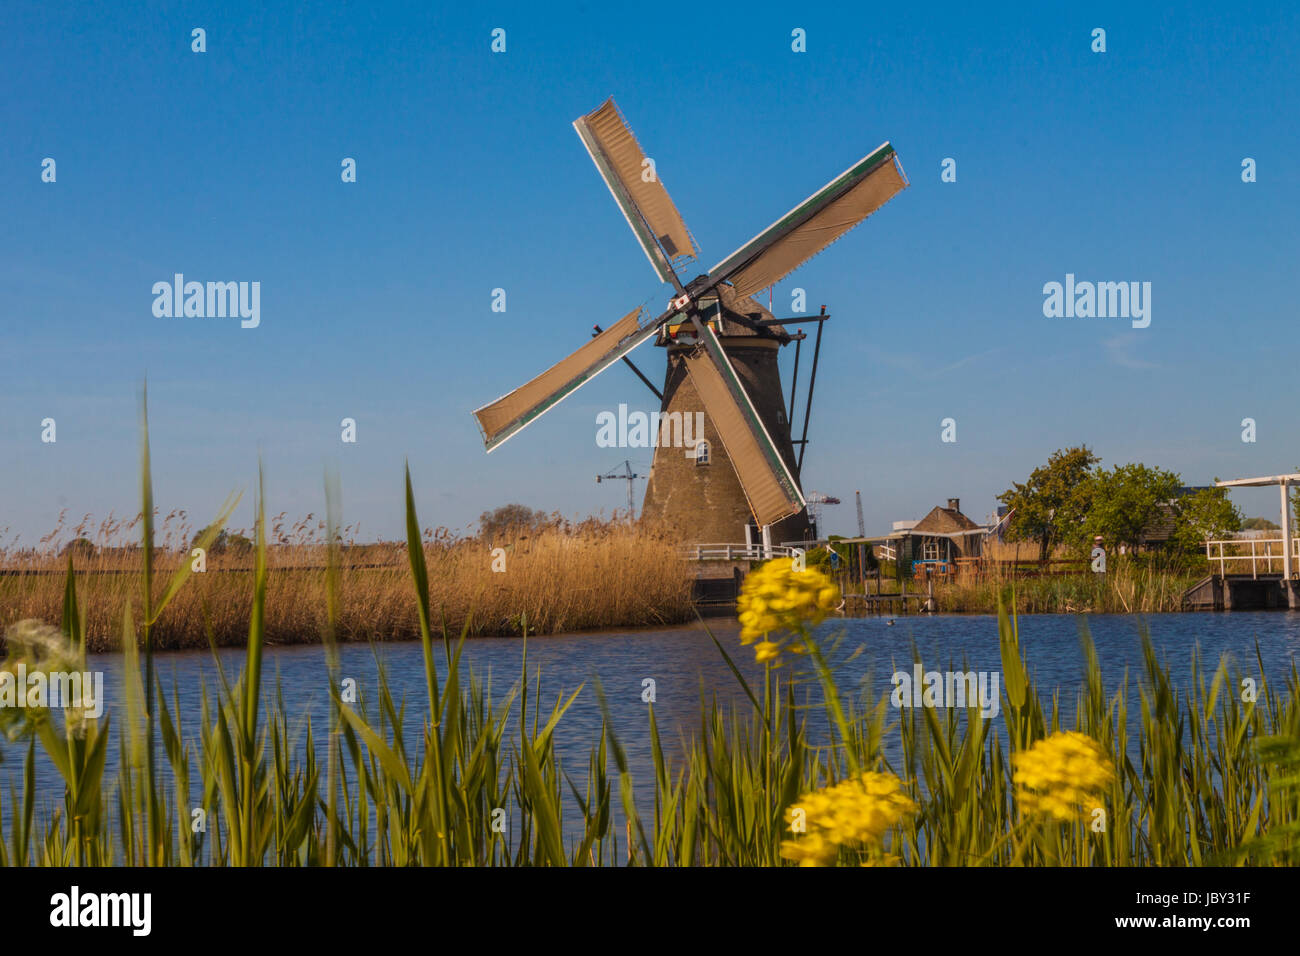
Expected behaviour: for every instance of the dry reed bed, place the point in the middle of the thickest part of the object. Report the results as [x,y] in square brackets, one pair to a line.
[598,576]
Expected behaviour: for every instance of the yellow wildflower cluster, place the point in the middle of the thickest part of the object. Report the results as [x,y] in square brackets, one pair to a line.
[1063,776]
[775,598]
[857,811]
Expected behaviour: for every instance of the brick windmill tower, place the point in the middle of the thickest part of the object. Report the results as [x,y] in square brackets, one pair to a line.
[741,476]
[697,491]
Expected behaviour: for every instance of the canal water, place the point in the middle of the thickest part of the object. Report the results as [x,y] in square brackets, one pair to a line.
[684,664]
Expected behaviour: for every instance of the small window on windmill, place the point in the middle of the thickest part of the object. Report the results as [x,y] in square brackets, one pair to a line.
[930,550]
[701,452]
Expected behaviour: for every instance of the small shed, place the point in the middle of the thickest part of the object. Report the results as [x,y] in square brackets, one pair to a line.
[939,540]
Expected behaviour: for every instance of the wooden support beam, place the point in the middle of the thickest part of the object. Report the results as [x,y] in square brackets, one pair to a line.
[1288,588]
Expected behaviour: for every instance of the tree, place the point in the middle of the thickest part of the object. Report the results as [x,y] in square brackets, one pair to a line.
[80,548]
[219,543]
[1126,501]
[1205,516]
[237,543]
[510,521]
[1050,505]
[231,541]
[1259,524]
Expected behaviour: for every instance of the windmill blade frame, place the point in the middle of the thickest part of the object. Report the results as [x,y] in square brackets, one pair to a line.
[807,229]
[769,486]
[500,419]
[649,210]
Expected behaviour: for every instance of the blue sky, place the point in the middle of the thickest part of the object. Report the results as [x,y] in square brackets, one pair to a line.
[376,295]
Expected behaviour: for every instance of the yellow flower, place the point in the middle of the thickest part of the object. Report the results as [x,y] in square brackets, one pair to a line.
[856,811]
[812,850]
[1062,777]
[775,597]
[767,651]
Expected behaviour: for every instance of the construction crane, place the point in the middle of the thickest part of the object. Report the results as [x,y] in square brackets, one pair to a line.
[815,501]
[625,475]
[862,525]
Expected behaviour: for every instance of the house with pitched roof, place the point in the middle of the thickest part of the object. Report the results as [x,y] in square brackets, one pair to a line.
[936,541]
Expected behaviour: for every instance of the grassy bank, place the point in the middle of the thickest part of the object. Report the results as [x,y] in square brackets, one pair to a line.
[1126,587]
[560,578]
[1181,779]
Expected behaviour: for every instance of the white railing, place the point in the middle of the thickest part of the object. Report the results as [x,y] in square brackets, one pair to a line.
[736,552]
[1262,550]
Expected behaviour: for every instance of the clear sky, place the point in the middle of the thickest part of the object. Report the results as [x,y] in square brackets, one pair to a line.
[376,295]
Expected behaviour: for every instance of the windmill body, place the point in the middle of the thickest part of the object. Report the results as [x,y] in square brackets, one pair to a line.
[697,491]
[722,348]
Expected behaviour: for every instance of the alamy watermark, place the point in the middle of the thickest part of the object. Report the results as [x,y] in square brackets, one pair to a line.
[212,300]
[947,689]
[41,672]
[639,429]
[67,690]
[1101,300]
[75,908]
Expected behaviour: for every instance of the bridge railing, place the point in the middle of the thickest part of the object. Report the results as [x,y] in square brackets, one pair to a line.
[1256,551]
[736,552]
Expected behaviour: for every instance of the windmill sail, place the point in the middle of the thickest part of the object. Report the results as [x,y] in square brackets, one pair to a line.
[815,223]
[654,219]
[769,486]
[508,414]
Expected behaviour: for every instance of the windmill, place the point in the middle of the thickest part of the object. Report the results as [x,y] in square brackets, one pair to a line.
[722,347]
